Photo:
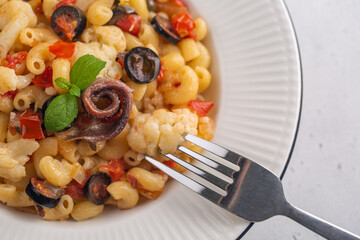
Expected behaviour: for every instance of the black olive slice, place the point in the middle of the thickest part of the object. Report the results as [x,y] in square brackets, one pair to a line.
[142,65]
[44,193]
[119,12]
[165,29]
[95,188]
[68,22]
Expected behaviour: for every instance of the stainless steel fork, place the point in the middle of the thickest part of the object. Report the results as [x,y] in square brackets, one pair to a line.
[254,193]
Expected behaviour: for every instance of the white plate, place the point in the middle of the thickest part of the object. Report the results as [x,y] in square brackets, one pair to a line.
[257,69]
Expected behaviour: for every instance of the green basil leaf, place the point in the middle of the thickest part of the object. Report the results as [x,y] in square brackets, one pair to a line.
[85,71]
[63,83]
[61,112]
[75,90]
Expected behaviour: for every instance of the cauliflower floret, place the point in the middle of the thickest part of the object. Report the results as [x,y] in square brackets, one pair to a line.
[13,157]
[161,131]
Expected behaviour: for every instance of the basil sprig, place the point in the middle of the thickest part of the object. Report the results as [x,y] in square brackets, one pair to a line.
[63,110]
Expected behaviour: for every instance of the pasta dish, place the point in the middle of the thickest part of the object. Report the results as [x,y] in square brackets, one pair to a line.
[87,89]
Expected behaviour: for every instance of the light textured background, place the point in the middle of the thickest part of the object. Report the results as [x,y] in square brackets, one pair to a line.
[324,174]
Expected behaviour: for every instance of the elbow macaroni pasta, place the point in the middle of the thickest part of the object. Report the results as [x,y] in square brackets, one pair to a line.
[159,117]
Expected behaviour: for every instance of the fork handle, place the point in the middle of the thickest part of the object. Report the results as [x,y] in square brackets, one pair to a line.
[318,225]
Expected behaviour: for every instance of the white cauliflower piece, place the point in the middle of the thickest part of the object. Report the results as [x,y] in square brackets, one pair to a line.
[161,131]
[13,157]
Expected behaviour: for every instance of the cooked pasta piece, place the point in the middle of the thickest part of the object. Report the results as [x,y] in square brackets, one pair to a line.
[61,68]
[6,104]
[47,147]
[61,211]
[58,173]
[204,77]
[33,36]
[189,49]
[99,13]
[69,150]
[126,196]
[184,86]
[203,60]
[37,58]
[29,95]
[141,8]
[147,35]
[86,210]
[200,29]
[15,16]
[116,147]
[10,196]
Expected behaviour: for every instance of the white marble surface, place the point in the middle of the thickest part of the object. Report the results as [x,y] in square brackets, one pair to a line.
[324,173]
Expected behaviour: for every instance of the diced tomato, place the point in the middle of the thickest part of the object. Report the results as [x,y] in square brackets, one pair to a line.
[31,127]
[62,49]
[10,94]
[130,23]
[120,61]
[201,107]
[116,169]
[38,9]
[44,80]
[183,24]
[170,164]
[14,124]
[161,74]
[15,59]
[67,25]
[75,191]
[65,2]
[179,3]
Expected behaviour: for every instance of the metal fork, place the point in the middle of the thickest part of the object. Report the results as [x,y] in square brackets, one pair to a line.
[254,194]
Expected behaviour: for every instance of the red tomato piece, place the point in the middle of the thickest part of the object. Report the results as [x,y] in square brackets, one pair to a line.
[183,24]
[44,80]
[75,191]
[130,23]
[65,2]
[62,49]
[38,9]
[31,127]
[201,107]
[116,169]
[10,94]
[179,3]
[15,59]
[170,164]
[161,74]
[67,25]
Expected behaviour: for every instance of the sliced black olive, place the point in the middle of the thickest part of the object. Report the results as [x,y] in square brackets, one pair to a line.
[68,22]
[44,193]
[95,188]
[121,11]
[165,29]
[142,65]
[151,5]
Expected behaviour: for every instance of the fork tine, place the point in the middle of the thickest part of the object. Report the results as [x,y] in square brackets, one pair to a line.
[214,148]
[188,182]
[207,161]
[205,175]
